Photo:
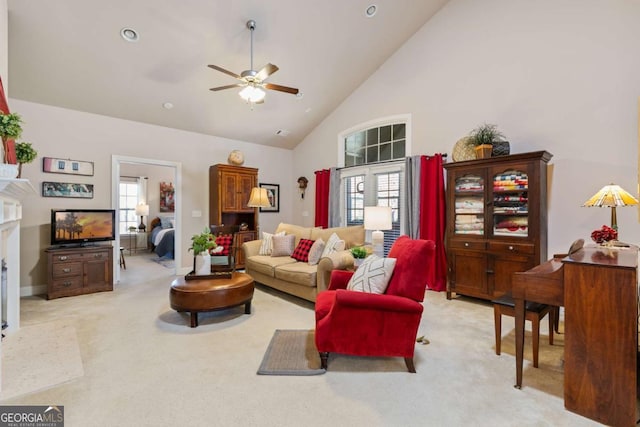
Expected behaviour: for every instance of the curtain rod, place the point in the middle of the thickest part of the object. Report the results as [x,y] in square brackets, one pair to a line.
[444,156]
[126,176]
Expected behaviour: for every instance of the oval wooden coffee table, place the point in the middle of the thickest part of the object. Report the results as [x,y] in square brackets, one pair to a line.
[200,295]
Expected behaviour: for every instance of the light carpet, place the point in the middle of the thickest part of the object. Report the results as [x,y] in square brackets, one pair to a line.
[291,352]
[40,356]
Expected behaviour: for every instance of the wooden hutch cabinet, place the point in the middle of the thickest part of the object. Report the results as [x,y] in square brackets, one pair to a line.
[496,221]
[78,271]
[229,191]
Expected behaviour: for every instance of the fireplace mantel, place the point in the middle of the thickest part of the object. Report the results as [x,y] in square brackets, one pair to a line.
[12,192]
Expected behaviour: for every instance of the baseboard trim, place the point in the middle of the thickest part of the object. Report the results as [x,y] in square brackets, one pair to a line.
[29,291]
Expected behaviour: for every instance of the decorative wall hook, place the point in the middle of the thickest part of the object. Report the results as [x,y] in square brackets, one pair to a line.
[302,185]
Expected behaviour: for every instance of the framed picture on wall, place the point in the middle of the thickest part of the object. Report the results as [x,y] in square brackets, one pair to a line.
[167,197]
[273,192]
[71,167]
[67,189]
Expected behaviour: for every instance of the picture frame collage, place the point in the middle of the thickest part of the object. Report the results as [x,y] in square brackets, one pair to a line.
[68,167]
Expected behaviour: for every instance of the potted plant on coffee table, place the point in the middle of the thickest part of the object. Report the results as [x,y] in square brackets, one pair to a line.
[201,244]
[483,137]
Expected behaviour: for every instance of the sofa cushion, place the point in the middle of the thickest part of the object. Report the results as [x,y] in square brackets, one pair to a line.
[225,242]
[266,247]
[266,264]
[300,273]
[373,275]
[334,244]
[352,235]
[283,245]
[316,251]
[301,252]
[296,230]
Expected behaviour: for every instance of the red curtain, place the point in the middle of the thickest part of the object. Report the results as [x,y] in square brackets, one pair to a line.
[323,178]
[432,216]
[10,146]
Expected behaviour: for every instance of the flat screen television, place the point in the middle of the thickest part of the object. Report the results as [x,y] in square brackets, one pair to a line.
[82,226]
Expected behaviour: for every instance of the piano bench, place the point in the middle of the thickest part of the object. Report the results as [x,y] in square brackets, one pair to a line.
[534,312]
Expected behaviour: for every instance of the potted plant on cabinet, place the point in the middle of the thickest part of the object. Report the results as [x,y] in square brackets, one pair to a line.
[483,137]
[201,244]
[25,153]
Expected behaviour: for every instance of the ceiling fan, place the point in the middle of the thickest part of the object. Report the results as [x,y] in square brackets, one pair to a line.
[253,81]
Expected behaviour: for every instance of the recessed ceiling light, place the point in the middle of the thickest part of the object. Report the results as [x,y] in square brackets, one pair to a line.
[167,105]
[129,34]
[370,11]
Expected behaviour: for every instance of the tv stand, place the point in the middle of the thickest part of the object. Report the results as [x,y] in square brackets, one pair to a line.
[79,270]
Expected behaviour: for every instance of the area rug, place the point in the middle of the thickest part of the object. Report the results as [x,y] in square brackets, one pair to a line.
[38,357]
[165,262]
[291,352]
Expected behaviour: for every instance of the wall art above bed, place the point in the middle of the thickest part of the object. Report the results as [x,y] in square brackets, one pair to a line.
[167,197]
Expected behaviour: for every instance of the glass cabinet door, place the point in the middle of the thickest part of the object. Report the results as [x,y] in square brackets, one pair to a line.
[511,204]
[469,204]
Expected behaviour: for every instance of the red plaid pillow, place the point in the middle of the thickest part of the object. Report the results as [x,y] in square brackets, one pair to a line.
[301,253]
[225,242]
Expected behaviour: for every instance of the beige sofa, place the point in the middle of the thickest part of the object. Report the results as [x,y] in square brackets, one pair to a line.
[299,278]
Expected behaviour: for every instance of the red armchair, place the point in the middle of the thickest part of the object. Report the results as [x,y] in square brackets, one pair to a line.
[365,324]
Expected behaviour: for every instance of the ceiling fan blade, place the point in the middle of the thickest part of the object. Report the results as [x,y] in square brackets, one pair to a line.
[215,89]
[266,71]
[290,90]
[222,70]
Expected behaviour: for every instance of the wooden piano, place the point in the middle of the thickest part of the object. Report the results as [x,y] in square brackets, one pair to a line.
[599,289]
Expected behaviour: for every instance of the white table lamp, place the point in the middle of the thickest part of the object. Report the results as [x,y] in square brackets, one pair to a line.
[142,210]
[377,218]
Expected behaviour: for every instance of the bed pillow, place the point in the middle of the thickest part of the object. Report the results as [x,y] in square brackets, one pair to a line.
[334,244]
[316,251]
[283,245]
[166,221]
[301,252]
[266,247]
[373,275]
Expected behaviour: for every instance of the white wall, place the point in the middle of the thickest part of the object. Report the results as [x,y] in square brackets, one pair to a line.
[58,132]
[4,45]
[555,75]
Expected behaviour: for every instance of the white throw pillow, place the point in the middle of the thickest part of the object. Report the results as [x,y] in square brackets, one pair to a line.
[266,247]
[315,253]
[334,244]
[283,245]
[373,275]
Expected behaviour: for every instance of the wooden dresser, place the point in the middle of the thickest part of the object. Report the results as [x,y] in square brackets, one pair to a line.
[78,271]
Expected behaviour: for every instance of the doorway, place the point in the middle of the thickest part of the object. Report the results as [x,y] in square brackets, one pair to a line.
[116,163]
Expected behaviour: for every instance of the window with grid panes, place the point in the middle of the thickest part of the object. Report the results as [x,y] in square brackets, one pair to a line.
[127,205]
[374,186]
[374,145]
[388,194]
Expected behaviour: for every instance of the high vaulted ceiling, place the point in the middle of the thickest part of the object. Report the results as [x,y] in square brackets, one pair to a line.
[69,53]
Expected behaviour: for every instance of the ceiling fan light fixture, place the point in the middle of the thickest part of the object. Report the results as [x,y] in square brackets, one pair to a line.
[252,94]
